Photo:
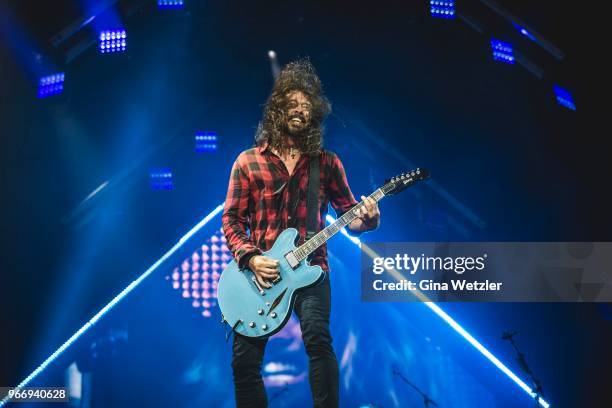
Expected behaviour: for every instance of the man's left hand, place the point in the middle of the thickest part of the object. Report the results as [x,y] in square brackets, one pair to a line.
[368,216]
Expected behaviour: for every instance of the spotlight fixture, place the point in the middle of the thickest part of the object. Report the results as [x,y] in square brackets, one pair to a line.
[170,4]
[564,97]
[502,51]
[442,9]
[51,85]
[161,179]
[206,142]
[112,41]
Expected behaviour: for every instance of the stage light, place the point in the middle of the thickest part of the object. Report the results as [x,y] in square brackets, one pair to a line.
[502,51]
[161,179]
[170,4]
[442,9]
[524,31]
[113,41]
[271,54]
[564,97]
[203,286]
[51,85]
[206,142]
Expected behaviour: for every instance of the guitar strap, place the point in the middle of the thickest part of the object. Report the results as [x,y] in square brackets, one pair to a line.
[312,198]
[312,203]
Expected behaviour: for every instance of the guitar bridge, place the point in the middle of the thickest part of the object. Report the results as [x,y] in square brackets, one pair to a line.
[258,286]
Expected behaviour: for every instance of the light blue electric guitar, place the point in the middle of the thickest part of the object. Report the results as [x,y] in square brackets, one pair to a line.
[254,311]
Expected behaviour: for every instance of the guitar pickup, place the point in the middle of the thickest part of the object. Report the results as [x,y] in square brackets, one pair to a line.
[292,260]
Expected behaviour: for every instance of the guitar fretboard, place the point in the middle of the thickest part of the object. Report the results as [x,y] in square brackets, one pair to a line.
[315,242]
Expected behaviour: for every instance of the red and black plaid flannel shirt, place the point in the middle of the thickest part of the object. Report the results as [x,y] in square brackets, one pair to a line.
[259,200]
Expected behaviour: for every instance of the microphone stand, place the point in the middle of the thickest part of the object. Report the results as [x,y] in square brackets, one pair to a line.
[537,385]
[426,400]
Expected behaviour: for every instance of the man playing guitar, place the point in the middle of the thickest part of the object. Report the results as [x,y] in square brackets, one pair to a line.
[267,194]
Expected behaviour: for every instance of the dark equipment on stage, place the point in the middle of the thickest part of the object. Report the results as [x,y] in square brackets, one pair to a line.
[426,400]
[536,384]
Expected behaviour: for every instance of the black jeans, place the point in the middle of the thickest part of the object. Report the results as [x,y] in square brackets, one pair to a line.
[312,306]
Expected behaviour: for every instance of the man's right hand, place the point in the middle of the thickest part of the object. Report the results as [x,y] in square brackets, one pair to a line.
[264,268]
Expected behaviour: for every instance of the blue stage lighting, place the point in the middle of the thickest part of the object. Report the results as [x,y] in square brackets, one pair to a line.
[162,179]
[564,97]
[206,142]
[167,4]
[524,31]
[51,85]
[128,289]
[113,41]
[89,324]
[502,51]
[442,8]
[466,335]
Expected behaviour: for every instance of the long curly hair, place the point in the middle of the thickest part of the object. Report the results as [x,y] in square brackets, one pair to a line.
[301,76]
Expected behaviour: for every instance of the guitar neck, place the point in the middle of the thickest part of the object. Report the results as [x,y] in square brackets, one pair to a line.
[315,242]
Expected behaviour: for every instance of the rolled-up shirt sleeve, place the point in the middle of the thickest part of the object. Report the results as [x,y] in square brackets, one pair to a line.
[235,217]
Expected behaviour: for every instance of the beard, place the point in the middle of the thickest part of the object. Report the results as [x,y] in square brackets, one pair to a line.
[297,129]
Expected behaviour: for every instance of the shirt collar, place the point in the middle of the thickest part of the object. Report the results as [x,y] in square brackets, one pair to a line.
[265,146]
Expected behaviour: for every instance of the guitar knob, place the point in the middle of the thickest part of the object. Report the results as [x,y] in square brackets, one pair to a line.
[267,303]
[260,312]
[251,324]
[273,315]
[264,327]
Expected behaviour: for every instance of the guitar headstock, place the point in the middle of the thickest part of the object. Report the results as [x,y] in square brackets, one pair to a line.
[402,181]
